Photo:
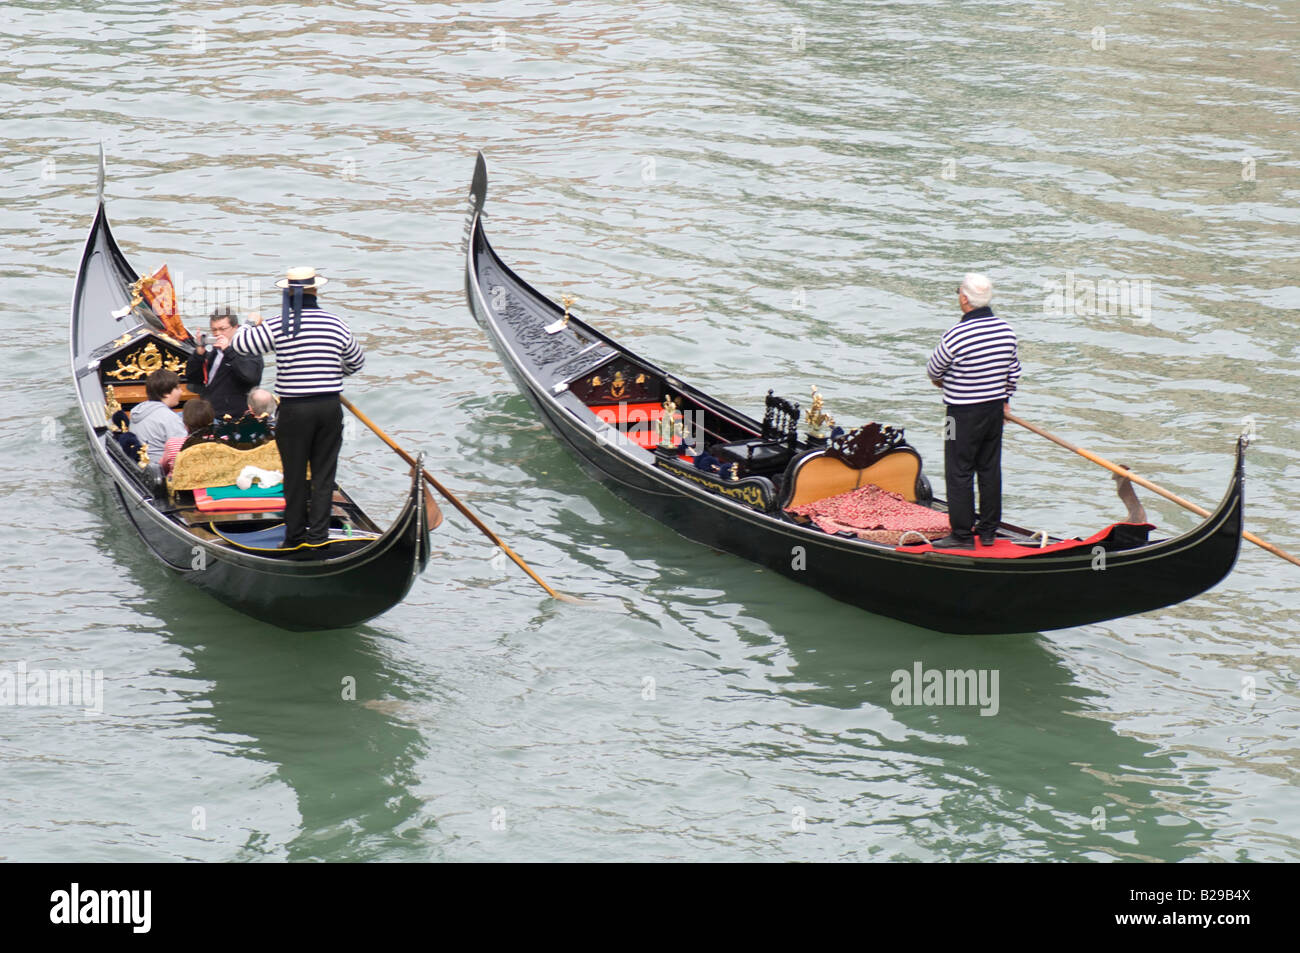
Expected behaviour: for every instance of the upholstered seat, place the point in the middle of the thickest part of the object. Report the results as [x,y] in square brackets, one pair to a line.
[218,464]
[819,475]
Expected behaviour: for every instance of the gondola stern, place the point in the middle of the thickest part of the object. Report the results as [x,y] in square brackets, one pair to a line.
[427,516]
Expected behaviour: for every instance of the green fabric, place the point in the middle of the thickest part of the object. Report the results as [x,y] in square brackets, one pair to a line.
[235,493]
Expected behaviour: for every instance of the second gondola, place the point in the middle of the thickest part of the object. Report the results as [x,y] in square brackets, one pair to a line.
[607,405]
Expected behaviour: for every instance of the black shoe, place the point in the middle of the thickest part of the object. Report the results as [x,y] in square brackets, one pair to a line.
[988,540]
[954,542]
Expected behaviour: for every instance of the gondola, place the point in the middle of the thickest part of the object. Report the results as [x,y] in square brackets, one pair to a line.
[362,572]
[587,388]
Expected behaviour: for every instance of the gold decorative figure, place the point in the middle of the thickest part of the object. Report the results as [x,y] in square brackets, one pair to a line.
[667,420]
[144,455]
[560,325]
[111,404]
[819,422]
[618,386]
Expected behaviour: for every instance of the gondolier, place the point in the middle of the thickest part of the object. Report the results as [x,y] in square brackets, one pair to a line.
[977,365]
[314,352]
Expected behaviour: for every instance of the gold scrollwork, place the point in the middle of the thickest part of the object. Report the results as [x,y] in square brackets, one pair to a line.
[749,495]
[143,363]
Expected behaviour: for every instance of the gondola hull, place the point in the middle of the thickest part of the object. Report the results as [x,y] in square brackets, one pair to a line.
[944,592]
[304,596]
[340,586]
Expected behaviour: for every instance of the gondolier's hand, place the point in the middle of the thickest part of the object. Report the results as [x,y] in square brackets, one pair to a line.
[1006,410]
[254,318]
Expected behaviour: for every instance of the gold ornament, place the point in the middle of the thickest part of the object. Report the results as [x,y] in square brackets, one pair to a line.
[111,405]
[819,422]
[144,362]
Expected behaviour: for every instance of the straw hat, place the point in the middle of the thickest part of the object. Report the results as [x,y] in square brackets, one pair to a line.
[304,277]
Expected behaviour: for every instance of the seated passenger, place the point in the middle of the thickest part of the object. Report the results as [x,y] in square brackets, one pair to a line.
[262,401]
[197,415]
[155,422]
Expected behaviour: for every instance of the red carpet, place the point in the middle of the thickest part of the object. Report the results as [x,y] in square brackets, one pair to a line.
[1006,549]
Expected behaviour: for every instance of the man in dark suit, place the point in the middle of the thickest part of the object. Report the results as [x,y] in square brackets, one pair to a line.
[221,375]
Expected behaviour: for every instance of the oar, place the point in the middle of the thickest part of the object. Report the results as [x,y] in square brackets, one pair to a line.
[1114,468]
[563,597]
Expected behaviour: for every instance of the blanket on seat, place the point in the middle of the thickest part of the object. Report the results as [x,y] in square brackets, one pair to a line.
[219,499]
[873,514]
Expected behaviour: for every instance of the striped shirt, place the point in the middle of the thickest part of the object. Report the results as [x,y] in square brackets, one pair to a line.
[314,361]
[976,360]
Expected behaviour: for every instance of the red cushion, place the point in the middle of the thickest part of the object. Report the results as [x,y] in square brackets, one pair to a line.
[638,421]
[243,504]
[620,414]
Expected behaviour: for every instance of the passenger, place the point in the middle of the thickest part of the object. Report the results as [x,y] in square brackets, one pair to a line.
[155,422]
[262,401]
[196,416]
[223,377]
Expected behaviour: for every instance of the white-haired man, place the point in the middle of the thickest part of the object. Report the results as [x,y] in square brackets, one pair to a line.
[977,365]
[261,402]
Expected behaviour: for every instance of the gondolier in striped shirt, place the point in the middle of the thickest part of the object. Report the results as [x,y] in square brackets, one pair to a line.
[977,365]
[314,351]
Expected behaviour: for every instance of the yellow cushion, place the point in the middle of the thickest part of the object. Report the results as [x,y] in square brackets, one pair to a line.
[821,476]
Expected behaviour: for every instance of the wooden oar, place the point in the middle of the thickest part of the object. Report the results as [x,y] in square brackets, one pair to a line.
[563,597]
[1114,468]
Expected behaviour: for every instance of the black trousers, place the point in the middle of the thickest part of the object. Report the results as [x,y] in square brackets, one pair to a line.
[309,430]
[973,447]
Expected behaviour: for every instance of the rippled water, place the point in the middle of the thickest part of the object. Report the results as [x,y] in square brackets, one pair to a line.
[756,195]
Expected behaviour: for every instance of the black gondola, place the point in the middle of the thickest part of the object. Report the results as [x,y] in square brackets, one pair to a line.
[574,376]
[362,572]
